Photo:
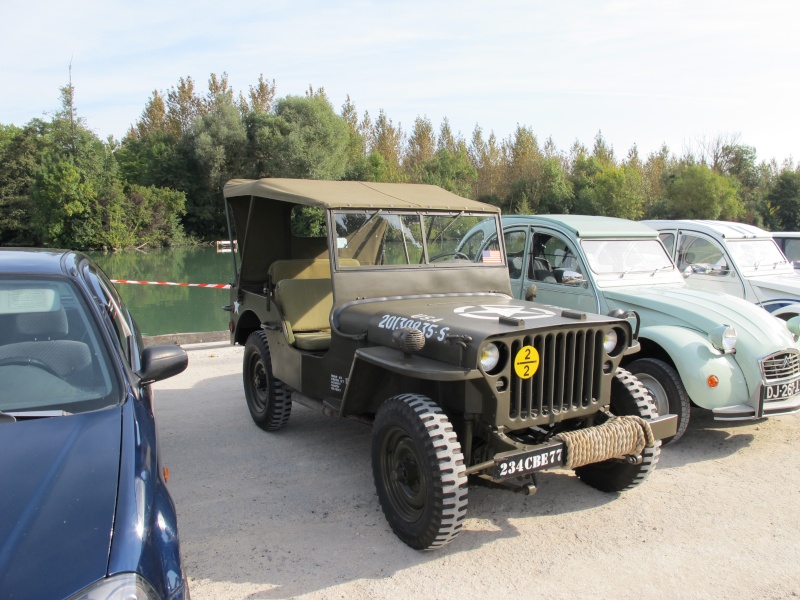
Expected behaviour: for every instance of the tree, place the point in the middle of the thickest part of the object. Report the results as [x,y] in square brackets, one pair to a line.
[304,139]
[486,157]
[420,149]
[20,159]
[696,192]
[387,141]
[183,107]
[785,195]
[451,170]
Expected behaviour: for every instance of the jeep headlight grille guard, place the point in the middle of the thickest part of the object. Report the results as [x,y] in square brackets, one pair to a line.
[569,376]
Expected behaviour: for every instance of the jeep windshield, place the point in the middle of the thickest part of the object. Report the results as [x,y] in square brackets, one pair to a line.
[401,239]
[628,258]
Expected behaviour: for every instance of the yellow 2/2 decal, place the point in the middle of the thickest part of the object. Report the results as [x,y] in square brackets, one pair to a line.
[526,362]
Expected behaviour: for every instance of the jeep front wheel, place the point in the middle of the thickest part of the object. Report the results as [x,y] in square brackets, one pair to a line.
[667,390]
[268,398]
[628,397]
[419,474]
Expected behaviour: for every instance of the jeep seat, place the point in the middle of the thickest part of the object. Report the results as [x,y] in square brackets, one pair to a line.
[305,268]
[306,306]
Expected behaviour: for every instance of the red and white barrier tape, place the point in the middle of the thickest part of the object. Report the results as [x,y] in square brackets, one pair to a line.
[218,286]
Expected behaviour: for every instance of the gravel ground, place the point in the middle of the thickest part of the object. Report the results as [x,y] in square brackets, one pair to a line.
[294,514]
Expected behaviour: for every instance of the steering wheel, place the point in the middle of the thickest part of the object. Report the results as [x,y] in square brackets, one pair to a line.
[24,361]
[459,255]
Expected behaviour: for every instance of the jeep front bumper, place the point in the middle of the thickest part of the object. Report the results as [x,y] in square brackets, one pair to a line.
[519,463]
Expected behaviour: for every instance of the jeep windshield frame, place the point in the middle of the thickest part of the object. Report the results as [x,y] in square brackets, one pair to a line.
[408,239]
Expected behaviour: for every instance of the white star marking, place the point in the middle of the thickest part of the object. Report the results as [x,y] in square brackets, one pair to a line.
[495,311]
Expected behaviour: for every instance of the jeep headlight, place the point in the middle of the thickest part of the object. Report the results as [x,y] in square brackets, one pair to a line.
[609,341]
[723,338]
[490,355]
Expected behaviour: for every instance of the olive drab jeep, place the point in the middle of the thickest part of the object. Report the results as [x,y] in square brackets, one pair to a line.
[350,297]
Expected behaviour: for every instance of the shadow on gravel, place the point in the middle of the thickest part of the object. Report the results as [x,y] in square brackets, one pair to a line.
[295,511]
[706,439]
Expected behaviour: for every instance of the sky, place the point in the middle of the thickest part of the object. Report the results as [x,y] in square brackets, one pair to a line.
[680,73]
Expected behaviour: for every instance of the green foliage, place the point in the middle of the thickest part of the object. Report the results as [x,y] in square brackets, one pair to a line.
[451,170]
[308,139]
[61,185]
[786,196]
[696,192]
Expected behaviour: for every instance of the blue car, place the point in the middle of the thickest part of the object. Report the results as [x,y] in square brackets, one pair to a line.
[84,508]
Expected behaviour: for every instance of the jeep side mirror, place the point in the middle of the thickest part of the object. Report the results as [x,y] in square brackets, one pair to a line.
[687,271]
[530,293]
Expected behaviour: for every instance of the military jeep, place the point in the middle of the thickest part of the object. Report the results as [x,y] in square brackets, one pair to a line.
[349,297]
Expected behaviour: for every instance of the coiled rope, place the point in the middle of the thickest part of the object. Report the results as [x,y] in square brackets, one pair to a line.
[617,437]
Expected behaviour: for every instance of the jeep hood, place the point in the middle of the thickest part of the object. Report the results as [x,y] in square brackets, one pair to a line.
[703,311]
[453,322]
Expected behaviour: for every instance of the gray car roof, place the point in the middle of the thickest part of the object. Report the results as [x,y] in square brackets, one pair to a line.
[725,229]
[588,226]
[354,194]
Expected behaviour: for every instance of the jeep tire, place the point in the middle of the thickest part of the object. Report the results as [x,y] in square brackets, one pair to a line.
[419,474]
[628,397]
[268,398]
[667,390]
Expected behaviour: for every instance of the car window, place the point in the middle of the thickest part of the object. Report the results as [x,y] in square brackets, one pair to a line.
[515,252]
[382,238]
[627,256]
[551,257]
[52,356]
[668,239]
[791,248]
[756,254]
[702,255]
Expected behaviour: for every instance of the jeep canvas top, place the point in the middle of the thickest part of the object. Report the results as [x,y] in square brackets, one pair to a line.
[352,298]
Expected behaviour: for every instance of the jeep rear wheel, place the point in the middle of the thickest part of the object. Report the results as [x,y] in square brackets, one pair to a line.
[268,398]
[628,397]
[667,390]
[419,474]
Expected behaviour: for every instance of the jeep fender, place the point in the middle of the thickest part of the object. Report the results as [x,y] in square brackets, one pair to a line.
[376,369]
[696,360]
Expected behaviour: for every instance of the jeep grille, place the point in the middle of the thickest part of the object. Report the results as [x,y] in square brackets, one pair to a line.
[568,378]
[781,365]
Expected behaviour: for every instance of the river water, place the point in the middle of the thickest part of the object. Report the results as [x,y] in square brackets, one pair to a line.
[167,309]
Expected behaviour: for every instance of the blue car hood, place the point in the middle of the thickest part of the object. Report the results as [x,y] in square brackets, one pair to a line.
[59,478]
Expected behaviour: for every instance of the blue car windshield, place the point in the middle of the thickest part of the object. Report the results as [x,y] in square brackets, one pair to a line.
[52,356]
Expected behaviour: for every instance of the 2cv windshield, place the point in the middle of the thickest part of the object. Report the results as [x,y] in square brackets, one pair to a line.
[383,238]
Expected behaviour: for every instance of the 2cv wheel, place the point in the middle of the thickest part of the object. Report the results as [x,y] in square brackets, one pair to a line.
[628,397]
[667,390]
[268,398]
[419,474]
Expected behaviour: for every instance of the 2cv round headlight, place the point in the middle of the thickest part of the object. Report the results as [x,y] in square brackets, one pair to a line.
[723,338]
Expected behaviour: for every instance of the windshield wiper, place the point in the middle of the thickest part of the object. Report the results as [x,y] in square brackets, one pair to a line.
[15,415]
[660,269]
